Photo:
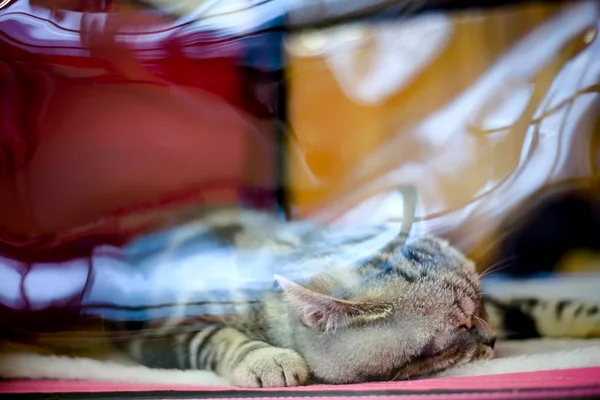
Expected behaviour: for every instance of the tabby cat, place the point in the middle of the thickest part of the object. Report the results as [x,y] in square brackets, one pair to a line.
[414,309]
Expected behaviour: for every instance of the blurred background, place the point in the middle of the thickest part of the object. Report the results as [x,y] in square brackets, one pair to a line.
[476,121]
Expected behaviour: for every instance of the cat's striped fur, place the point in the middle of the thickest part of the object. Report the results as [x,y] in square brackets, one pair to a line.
[414,309]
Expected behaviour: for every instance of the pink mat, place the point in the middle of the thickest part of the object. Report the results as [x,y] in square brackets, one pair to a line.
[571,383]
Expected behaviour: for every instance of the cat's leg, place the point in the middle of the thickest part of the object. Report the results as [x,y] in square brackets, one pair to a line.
[229,353]
[530,317]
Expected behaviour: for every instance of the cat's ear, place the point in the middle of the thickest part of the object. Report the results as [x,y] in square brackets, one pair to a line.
[317,310]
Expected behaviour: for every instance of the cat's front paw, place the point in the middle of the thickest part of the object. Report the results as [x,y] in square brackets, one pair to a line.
[270,367]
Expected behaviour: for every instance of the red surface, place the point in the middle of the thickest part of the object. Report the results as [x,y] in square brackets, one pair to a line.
[581,378]
[101,118]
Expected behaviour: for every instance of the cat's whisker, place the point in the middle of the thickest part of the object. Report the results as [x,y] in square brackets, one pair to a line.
[497,266]
[395,376]
[482,322]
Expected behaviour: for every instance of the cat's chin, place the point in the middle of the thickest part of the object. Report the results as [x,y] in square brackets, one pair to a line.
[419,370]
[431,367]
[481,353]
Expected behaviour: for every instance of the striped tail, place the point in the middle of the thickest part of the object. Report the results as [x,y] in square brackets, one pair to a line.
[524,318]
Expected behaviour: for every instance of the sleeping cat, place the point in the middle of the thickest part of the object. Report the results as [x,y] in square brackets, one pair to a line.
[412,310]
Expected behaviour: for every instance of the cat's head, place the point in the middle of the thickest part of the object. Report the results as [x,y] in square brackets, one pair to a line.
[417,312]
